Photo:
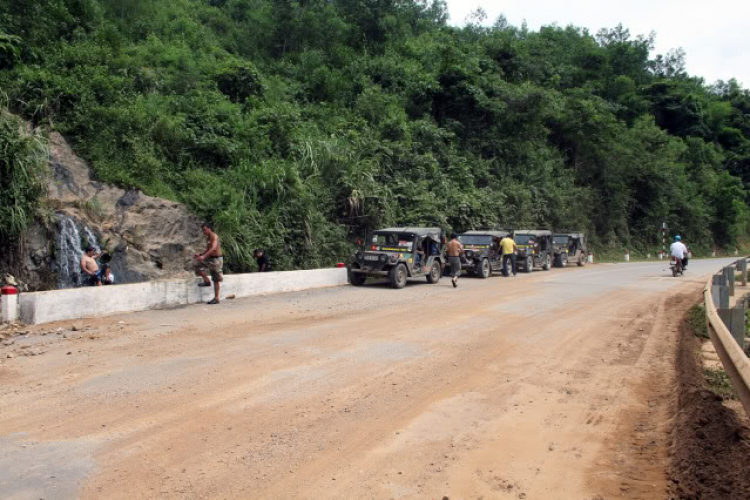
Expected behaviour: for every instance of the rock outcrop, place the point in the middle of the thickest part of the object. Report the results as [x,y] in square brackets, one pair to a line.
[149,238]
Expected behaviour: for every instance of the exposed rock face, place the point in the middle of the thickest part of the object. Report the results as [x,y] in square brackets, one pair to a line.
[149,238]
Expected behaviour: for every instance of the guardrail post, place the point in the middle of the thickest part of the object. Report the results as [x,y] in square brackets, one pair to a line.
[734,319]
[729,277]
[720,296]
[742,268]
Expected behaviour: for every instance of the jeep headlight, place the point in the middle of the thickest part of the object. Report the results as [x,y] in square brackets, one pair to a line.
[469,253]
[394,257]
[382,257]
[359,256]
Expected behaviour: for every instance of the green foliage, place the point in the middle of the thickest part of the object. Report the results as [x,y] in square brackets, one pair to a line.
[719,383]
[10,50]
[297,126]
[23,168]
[696,320]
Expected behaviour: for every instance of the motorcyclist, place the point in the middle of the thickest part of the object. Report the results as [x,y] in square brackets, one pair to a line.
[679,251]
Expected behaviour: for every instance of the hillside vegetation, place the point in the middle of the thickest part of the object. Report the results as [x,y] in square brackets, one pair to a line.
[298,125]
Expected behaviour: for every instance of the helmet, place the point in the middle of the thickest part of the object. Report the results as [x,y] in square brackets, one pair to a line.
[677,238]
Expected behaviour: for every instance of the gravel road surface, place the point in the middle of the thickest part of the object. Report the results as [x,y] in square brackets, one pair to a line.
[556,384]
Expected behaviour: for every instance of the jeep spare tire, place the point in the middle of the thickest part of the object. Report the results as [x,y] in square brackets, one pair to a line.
[397,275]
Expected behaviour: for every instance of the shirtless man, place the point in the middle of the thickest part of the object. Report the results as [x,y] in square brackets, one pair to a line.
[212,260]
[454,251]
[90,268]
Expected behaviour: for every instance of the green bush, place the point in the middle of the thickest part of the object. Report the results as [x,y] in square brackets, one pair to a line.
[696,319]
[24,172]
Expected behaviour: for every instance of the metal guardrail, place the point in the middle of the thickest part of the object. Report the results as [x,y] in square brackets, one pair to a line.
[736,363]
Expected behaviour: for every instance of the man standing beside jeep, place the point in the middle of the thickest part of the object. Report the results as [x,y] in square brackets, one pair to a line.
[509,248]
[454,251]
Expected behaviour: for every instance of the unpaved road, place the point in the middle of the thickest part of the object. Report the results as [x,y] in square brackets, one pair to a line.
[552,385]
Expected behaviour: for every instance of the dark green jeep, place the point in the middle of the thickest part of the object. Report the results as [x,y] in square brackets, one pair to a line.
[399,253]
[534,249]
[482,253]
[570,248]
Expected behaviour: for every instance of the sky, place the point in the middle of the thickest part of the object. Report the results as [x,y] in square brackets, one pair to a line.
[715,34]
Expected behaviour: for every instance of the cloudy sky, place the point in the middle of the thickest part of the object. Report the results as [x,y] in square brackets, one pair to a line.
[714,33]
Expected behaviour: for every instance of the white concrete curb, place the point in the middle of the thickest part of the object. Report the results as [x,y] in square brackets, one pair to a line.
[56,305]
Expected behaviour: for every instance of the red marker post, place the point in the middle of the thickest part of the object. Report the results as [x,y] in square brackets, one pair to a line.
[9,300]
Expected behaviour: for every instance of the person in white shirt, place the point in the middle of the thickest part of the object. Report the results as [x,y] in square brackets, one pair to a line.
[678,250]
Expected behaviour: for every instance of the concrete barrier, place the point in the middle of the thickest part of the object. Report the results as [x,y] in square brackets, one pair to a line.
[56,305]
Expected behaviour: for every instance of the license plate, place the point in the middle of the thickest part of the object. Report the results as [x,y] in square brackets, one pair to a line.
[371,257]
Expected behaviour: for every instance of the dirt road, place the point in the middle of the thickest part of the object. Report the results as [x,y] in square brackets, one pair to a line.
[552,385]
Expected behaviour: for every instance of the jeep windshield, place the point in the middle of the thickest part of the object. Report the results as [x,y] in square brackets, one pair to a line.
[524,239]
[560,240]
[392,242]
[475,239]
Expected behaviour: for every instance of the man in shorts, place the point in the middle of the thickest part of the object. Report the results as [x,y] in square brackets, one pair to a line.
[212,260]
[95,276]
[454,251]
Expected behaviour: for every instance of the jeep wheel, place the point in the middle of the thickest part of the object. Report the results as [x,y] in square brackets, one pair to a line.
[397,276]
[529,264]
[484,270]
[435,273]
[357,279]
[547,263]
[564,260]
[582,259]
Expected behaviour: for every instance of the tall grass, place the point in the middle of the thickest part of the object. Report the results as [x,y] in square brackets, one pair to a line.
[23,172]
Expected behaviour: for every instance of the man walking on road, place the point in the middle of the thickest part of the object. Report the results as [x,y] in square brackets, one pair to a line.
[508,246]
[212,260]
[454,251]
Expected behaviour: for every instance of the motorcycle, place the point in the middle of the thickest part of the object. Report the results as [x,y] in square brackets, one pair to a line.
[676,265]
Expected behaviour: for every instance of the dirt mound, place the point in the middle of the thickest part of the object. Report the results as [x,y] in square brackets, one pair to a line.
[711,443]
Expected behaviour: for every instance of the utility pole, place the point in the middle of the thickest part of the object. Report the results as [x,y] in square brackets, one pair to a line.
[663,253]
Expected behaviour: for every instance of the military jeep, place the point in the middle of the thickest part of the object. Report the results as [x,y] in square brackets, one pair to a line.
[534,249]
[570,248]
[482,253]
[399,253]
